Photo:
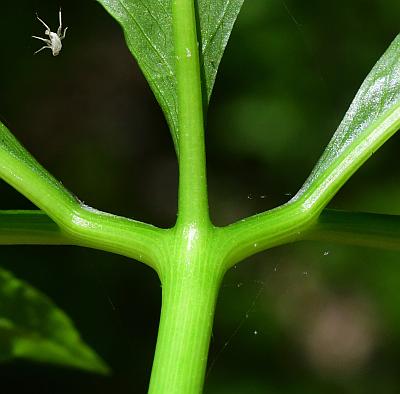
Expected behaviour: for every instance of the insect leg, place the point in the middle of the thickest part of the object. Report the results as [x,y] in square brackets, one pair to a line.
[63,36]
[59,30]
[47,27]
[48,42]
[41,49]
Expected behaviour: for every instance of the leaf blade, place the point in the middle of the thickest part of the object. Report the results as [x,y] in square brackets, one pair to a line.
[217,18]
[148,33]
[33,328]
[372,118]
[148,29]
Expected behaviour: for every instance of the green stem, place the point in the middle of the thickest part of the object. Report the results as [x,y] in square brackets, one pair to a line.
[263,231]
[192,198]
[290,221]
[81,224]
[376,230]
[188,304]
[191,276]
[190,282]
[319,189]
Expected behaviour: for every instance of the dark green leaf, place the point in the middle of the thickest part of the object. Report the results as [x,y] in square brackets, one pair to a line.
[371,119]
[217,18]
[32,327]
[149,34]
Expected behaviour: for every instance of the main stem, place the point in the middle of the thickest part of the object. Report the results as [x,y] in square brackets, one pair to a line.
[190,275]
[188,304]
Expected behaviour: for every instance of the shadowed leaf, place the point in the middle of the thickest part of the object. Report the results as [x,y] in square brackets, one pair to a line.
[33,328]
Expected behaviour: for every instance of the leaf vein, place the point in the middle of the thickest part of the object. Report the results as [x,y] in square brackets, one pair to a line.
[148,39]
[207,42]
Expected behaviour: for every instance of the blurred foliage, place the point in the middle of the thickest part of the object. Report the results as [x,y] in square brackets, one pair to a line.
[33,328]
[304,318]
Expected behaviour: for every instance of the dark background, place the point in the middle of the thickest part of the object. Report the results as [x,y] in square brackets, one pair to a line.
[307,317]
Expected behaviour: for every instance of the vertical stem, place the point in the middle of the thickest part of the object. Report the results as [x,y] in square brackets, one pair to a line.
[190,279]
[187,314]
[192,199]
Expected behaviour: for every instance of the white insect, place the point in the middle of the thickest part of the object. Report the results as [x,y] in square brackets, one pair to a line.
[54,40]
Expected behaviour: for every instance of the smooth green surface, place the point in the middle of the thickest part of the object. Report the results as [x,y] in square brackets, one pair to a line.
[190,284]
[192,194]
[148,28]
[190,278]
[33,328]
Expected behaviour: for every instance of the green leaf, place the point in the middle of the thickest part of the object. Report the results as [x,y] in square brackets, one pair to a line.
[148,32]
[217,18]
[148,28]
[32,327]
[373,117]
